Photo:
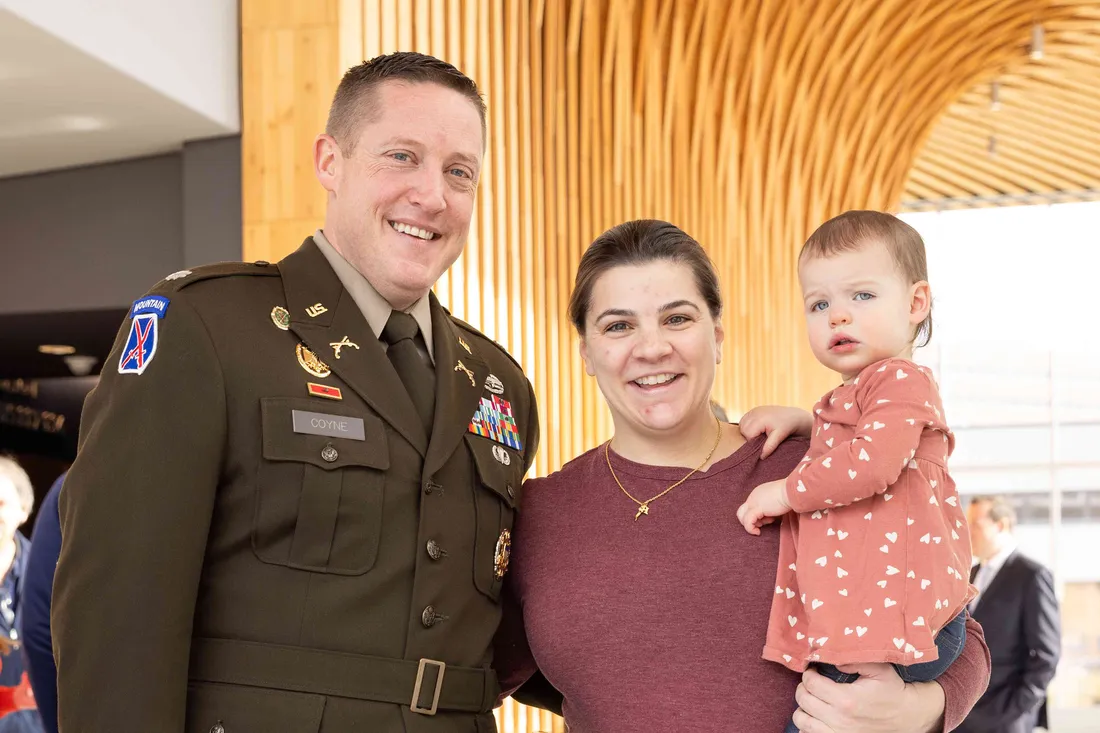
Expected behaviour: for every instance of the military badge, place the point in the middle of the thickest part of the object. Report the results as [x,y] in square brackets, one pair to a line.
[460,367]
[493,419]
[344,343]
[311,363]
[280,316]
[324,390]
[141,343]
[501,455]
[494,385]
[503,554]
[178,275]
[463,344]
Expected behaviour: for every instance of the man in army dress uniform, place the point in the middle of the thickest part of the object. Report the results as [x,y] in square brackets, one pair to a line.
[292,504]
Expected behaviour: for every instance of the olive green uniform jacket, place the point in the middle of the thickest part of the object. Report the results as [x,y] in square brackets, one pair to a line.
[242,555]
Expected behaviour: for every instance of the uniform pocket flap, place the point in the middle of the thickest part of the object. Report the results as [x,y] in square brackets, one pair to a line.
[502,478]
[326,436]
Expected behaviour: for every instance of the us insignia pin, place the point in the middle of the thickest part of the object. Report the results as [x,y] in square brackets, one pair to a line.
[460,367]
[315,310]
[494,385]
[323,390]
[502,554]
[310,362]
[280,316]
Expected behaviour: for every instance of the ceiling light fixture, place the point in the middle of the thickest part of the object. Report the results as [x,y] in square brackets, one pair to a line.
[81,365]
[56,349]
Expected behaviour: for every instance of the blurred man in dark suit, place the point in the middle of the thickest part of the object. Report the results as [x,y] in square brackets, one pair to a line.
[1017,608]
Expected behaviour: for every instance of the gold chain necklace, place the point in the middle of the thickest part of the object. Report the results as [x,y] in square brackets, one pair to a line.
[643,506]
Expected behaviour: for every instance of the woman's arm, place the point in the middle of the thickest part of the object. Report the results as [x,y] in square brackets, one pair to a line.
[879,701]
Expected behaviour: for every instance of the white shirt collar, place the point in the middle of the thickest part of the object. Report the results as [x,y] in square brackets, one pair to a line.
[996,562]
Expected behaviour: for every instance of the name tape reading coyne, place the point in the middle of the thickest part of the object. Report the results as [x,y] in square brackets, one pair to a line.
[333,426]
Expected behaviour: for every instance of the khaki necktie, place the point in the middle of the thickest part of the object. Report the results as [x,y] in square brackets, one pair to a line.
[400,333]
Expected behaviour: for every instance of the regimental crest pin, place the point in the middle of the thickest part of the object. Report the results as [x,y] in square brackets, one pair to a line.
[501,455]
[503,554]
[494,385]
[280,316]
[311,363]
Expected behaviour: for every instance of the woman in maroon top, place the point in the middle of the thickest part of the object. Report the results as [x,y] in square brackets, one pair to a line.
[630,587]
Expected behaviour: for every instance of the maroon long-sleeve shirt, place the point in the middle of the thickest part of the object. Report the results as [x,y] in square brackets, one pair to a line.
[657,624]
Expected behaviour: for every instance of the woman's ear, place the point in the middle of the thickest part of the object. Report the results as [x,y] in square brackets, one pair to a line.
[583,348]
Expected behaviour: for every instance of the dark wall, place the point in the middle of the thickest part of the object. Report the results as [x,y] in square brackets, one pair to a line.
[100,236]
[212,201]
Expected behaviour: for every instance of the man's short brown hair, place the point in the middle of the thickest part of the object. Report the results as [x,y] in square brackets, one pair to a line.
[853,230]
[999,509]
[355,101]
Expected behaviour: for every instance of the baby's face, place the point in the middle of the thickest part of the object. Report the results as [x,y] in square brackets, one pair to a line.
[859,308]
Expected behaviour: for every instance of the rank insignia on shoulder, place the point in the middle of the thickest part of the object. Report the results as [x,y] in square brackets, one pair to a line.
[493,419]
[141,343]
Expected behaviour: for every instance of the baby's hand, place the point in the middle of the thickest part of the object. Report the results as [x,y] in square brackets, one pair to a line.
[765,503]
[778,422]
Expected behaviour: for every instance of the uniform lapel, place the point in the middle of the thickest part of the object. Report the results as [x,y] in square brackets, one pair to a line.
[458,387]
[309,280]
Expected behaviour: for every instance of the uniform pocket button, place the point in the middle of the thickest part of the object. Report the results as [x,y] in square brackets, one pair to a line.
[511,492]
[435,552]
[217,728]
[329,454]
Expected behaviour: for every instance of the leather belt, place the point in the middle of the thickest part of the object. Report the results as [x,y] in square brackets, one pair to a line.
[425,685]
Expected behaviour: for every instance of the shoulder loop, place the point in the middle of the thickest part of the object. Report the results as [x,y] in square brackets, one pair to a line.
[179,280]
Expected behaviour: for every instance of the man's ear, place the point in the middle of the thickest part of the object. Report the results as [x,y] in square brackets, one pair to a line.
[327,161]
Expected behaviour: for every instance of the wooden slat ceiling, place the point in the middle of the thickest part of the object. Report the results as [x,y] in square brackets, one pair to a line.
[1042,145]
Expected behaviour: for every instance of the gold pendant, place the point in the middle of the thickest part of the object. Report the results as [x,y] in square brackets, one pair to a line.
[642,509]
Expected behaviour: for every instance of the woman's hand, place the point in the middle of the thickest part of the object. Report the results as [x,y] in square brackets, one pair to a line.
[765,503]
[778,423]
[877,702]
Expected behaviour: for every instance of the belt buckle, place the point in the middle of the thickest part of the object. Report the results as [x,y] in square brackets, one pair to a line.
[414,706]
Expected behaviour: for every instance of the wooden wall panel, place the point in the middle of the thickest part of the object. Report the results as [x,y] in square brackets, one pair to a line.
[745,122]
